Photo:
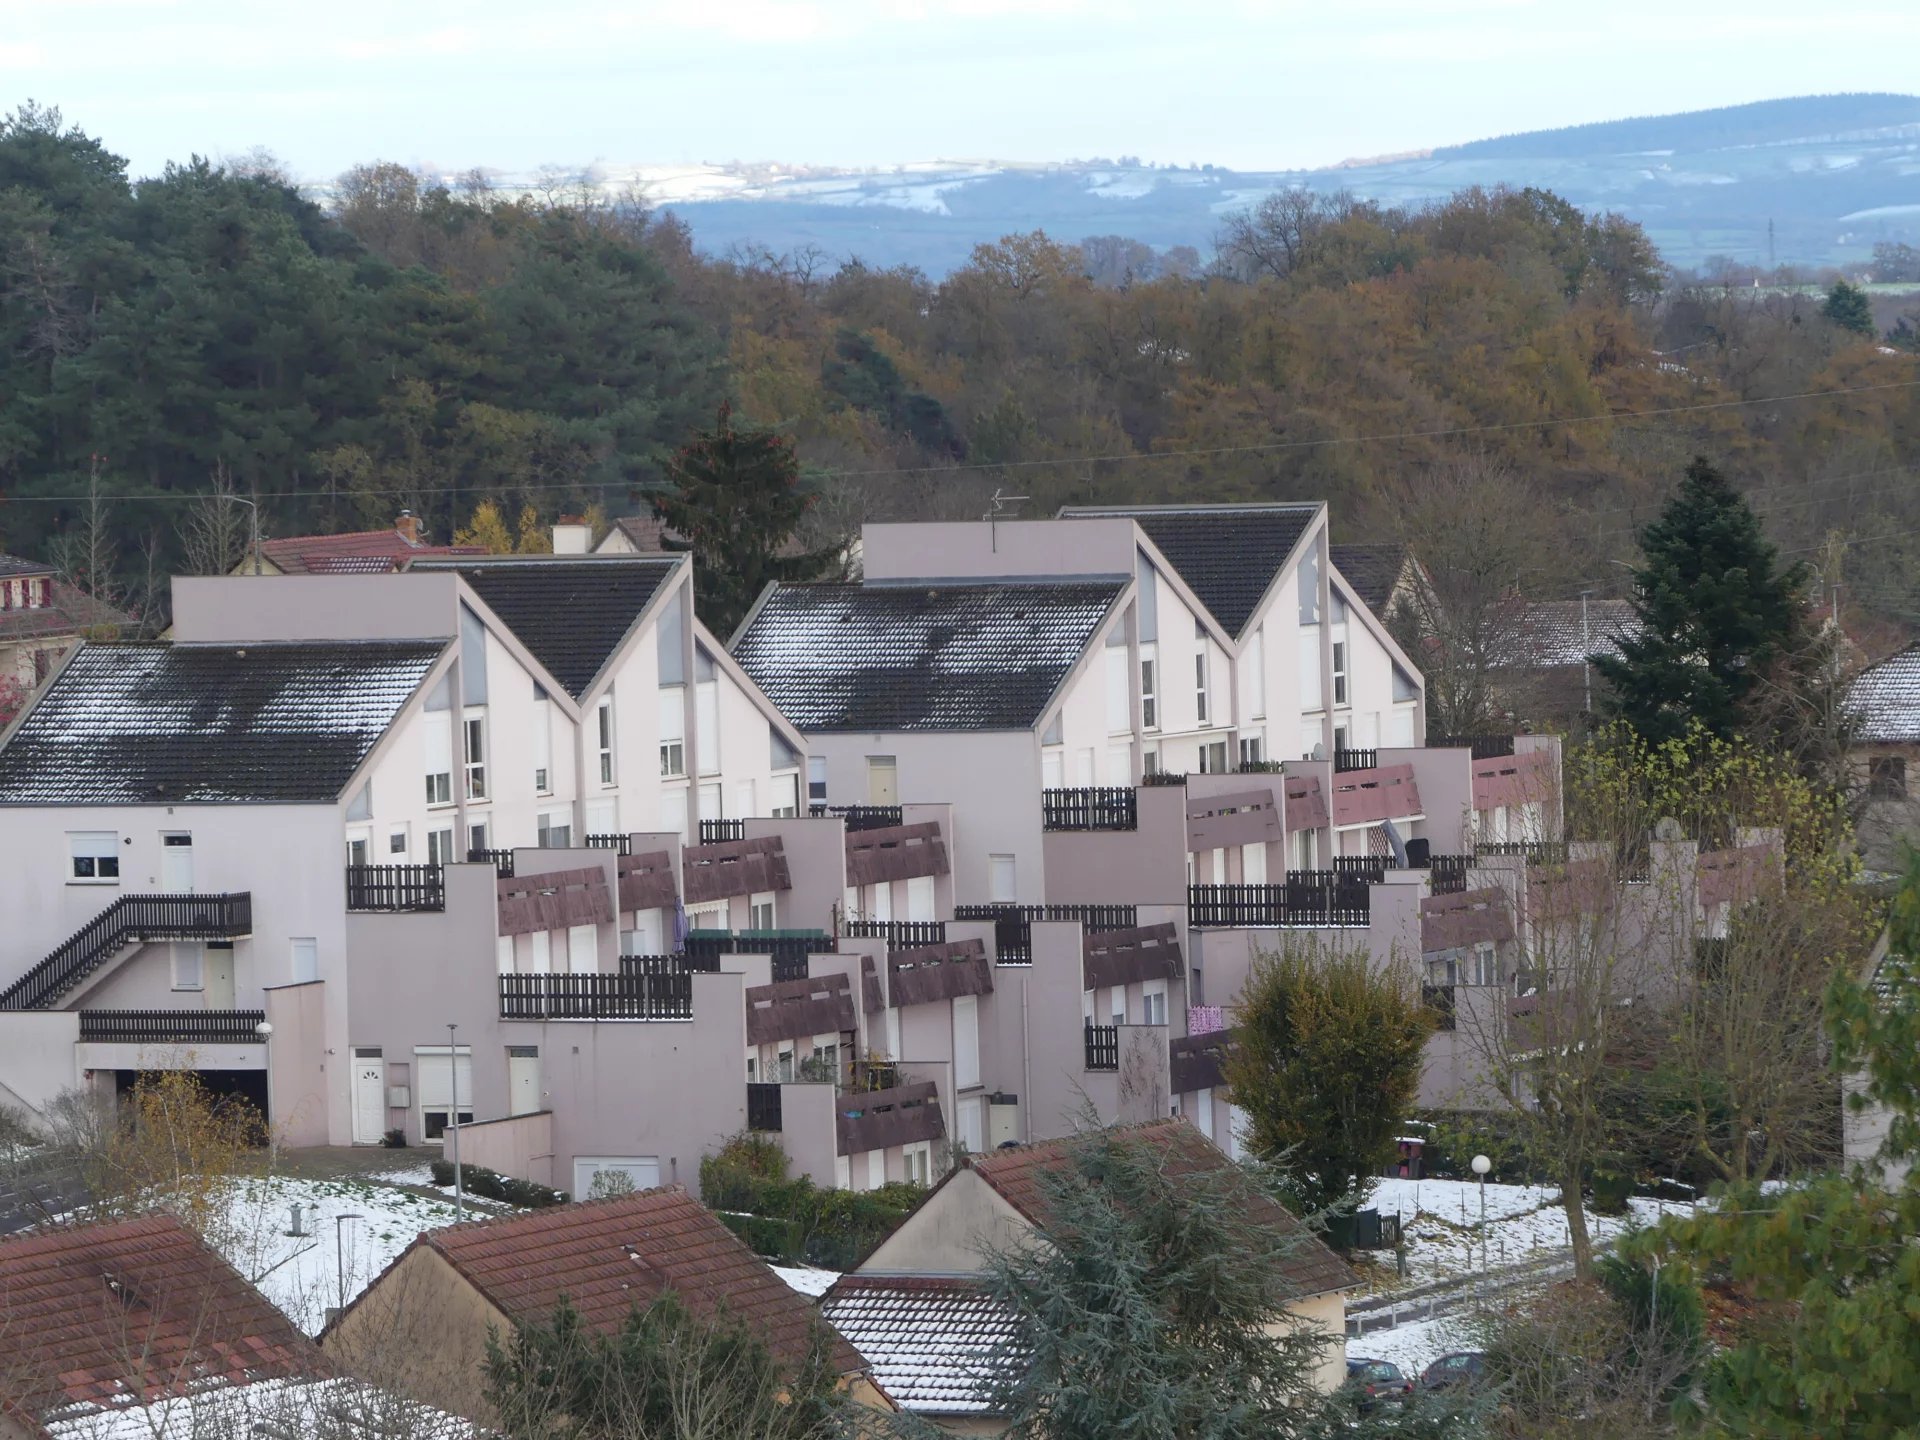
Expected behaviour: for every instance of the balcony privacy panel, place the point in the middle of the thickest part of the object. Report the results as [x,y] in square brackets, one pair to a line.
[1366,797]
[877,1119]
[738,867]
[1453,922]
[1128,957]
[871,1000]
[1306,803]
[897,852]
[1246,818]
[646,881]
[1513,780]
[793,1009]
[1737,874]
[553,902]
[1562,892]
[1198,1062]
[939,972]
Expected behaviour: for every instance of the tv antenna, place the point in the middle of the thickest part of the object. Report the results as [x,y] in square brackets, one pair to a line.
[1000,500]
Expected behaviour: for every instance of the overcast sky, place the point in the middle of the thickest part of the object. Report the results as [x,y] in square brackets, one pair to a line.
[1263,84]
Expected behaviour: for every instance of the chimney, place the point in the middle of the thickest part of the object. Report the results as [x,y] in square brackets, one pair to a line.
[572,535]
[409,527]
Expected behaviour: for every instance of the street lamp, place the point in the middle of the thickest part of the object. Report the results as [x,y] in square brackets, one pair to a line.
[453,1124]
[265,1031]
[339,1259]
[1481,1165]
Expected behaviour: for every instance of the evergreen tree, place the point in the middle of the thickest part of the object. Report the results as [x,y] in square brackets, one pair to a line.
[1716,611]
[735,502]
[1848,307]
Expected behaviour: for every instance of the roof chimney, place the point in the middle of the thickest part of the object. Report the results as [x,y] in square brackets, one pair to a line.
[409,527]
[572,535]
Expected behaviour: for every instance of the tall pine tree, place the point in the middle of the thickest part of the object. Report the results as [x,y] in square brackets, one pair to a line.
[1716,612]
[735,502]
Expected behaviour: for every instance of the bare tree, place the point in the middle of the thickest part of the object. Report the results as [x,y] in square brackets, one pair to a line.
[85,552]
[219,527]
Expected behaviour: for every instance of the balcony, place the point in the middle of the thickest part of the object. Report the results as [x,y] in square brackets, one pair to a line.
[1013,924]
[904,934]
[1483,747]
[501,860]
[557,900]
[646,881]
[795,1009]
[128,920]
[1447,874]
[788,949]
[879,854]
[878,1119]
[1345,760]
[861,817]
[939,972]
[631,995]
[1090,807]
[1368,794]
[1247,817]
[1198,1062]
[1102,1047]
[171,1027]
[1345,905]
[1130,957]
[395,889]
[763,1106]
[724,870]
[1466,919]
[1515,780]
[720,832]
[622,843]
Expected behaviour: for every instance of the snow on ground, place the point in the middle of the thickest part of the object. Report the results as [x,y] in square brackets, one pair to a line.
[1415,1346]
[806,1279]
[305,1274]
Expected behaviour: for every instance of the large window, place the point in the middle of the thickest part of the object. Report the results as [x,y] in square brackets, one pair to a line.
[603,729]
[673,730]
[554,829]
[1149,689]
[785,800]
[440,846]
[1339,672]
[473,731]
[95,856]
[542,743]
[439,743]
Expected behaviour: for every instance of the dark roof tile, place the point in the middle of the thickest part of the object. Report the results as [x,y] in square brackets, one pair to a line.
[1372,570]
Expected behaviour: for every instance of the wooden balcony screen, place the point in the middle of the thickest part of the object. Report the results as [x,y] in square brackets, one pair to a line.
[1453,922]
[553,902]
[1306,803]
[1220,821]
[1127,957]
[1198,1062]
[1513,780]
[646,881]
[737,867]
[792,1009]
[1737,874]
[897,852]
[877,1119]
[1383,792]
[939,972]
[871,1000]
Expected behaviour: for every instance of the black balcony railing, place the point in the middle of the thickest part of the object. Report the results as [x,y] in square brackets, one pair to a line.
[621,843]
[172,1027]
[1013,924]
[1090,807]
[1103,1047]
[763,1106]
[629,995]
[1164,777]
[789,949]
[862,817]
[1439,999]
[396,888]
[1534,852]
[501,860]
[1348,903]
[720,832]
[900,934]
[1447,874]
[1484,747]
[1372,868]
[129,919]
[1344,759]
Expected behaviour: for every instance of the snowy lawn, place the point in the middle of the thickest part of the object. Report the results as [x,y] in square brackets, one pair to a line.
[305,1274]
[1414,1347]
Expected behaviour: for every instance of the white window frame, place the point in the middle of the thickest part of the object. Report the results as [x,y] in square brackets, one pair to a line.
[784,803]
[554,822]
[760,911]
[440,846]
[1253,744]
[403,834]
[1001,867]
[303,948]
[816,780]
[430,1062]
[916,1161]
[473,750]
[1153,1002]
[1201,697]
[438,740]
[93,857]
[1149,687]
[543,746]
[1340,662]
[603,734]
[673,732]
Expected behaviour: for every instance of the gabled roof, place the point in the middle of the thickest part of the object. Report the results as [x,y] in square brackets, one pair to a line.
[15,567]
[930,1339]
[610,1257]
[133,1310]
[1227,554]
[572,612]
[1547,634]
[1884,699]
[1015,1175]
[940,655]
[149,722]
[69,612]
[374,552]
[646,533]
[333,1408]
[1372,570]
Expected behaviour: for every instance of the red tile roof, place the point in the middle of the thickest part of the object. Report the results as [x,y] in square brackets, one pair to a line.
[70,612]
[360,551]
[138,1308]
[609,1257]
[1015,1175]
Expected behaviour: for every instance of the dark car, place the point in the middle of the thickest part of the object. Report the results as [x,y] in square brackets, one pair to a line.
[1461,1370]
[1373,1383]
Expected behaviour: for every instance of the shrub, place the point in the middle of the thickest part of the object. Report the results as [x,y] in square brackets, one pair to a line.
[491,1185]
[793,1219]
[395,1139]
[442,1171]
[1612,1184]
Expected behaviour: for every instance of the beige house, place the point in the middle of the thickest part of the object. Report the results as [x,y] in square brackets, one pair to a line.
[422,1327]
[919,1313]
[41,620]
[1884,705]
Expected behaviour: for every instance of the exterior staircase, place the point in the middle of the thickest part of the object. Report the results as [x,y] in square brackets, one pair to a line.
[130,920]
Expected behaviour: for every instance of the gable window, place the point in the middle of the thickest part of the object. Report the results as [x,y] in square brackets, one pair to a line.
[473,732]
[603,723]
[95,856]
[1339,672]
[542,743]
[673,730]
[439,743]
[1149,689]
[1200,686]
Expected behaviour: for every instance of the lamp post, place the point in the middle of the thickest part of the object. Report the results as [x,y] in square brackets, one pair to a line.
[265,1031]
[339,1259]
[1481,1165]
[453,1124]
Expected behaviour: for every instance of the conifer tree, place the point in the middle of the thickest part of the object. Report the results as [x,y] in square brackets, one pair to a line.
[735,501]
[1848,307]
[1716,611]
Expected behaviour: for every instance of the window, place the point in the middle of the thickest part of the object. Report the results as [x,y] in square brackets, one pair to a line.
[540,952]
[966,1041]
[554,829]
[920,898]
[673,811]
[359,847]
[1252,748]
[760,912]
[784,803]
[1309,580]
[440,846]
[603,725]
[883,780]
[1119,1003]
[473,731]
[816,779]
[306,959]
[583,949]
[1339,672]
[706,706]
[95,855]
[1213,758]
[439,743]
[1153,1003]
[673,730]
[1303,850]
[1403,686]
[1887,777]
[1001,886]
[542,742]
[1119,703]
[189,965]
[1253,863]
[1486,963]
[1200,687]
[442,1077]
[600,1177]
[918,1162]
[397,841]
[783,1064]
[1150,762]
[1149,690]
[476,837]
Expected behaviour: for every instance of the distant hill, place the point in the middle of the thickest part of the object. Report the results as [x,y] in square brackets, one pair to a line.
[1765,122]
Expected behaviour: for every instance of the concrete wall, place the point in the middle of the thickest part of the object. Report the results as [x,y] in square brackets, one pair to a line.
[519,1145]
[1007,548]
[1148,864]
[228,608]
[38,1047]
[298,1083]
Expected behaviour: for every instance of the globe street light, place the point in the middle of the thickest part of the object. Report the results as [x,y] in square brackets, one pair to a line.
[1481,1165]
[265,1031]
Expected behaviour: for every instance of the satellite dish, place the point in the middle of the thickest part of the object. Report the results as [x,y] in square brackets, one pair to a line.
[1319,752]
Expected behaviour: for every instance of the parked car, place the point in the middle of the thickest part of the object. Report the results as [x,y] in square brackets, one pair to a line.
[1373,1383]
[1462,1370]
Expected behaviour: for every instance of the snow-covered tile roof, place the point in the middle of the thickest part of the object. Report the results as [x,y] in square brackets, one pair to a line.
[318,1408]
[1556,633]
[930,1339]
[1885,699]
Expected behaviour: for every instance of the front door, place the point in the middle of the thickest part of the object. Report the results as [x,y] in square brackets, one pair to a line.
[523,1079]
[176,863]
[219,978]
[369,1096]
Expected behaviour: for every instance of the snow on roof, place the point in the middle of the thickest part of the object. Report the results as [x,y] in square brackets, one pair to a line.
[930,1339]
[1884,699]
[304,1407]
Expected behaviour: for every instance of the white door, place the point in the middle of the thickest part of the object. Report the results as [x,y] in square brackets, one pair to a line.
[176,864]
[972,1132]
[523,1079]
[920,898]
[583,949]
[369,1096]
[219,978]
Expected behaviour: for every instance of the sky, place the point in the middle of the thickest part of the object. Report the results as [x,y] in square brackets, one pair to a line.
[1251,84]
